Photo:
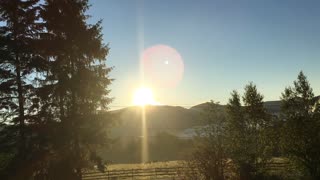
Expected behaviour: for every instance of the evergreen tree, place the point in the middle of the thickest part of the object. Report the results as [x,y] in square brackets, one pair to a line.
[247,128]
[74,91]
[301,131]
[236,136]
[19,61]
[258,122]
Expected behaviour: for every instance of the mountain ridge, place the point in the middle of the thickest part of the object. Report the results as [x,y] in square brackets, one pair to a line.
[160,118]
[165,118]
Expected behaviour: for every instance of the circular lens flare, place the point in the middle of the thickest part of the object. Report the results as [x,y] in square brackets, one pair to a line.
[162,66]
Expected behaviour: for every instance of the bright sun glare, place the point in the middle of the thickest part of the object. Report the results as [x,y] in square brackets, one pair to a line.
[143,96]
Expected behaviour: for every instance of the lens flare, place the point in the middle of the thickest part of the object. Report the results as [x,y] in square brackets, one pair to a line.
[144,148]
[162,66]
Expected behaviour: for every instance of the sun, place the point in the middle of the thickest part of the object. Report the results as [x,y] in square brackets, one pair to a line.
[143,96]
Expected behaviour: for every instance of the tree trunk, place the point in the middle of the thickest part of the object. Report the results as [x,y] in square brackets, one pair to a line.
[21,109]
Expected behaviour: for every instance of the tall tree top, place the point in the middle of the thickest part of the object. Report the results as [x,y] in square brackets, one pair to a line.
[235,99]
[251,96]
[302,87]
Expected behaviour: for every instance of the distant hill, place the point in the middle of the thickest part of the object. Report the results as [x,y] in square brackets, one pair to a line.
[272,107]
[171,119]
[204,106]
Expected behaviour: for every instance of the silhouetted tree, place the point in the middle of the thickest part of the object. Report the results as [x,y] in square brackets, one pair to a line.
[301,131]
[19,61]
[258,122]
[53,84]
[74,91]
[247,132]
[236,136]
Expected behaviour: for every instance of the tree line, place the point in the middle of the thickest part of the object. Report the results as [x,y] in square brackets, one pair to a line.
[53,89]
[248,137]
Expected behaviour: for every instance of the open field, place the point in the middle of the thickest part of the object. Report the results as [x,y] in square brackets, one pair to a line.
[167,164]
[153,170]
[279,167]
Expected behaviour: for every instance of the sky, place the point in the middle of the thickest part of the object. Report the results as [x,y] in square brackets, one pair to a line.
[223,44]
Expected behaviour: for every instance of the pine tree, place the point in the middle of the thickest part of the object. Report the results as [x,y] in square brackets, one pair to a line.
[19,61]
[257,123]
[75,86]
[247,128]
[301,131]
[236,136]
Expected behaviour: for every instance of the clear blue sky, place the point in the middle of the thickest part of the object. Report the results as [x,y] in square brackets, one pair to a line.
[224,44]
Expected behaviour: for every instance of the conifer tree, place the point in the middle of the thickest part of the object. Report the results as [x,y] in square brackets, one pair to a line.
[301,131]
[75,88]
[236,136]
[19,61]
[246,129]
[257,123]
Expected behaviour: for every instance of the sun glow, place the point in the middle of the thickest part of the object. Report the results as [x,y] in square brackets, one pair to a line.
[143,96]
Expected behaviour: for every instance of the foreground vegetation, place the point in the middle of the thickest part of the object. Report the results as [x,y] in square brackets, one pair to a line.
[250,137]
[53,89]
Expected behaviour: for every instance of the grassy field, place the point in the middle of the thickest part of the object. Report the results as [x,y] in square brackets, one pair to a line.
[155,170]
[166,164]
[277,168]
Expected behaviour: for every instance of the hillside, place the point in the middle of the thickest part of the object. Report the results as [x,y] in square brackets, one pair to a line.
[172,119]
[180,122]
[272,107]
